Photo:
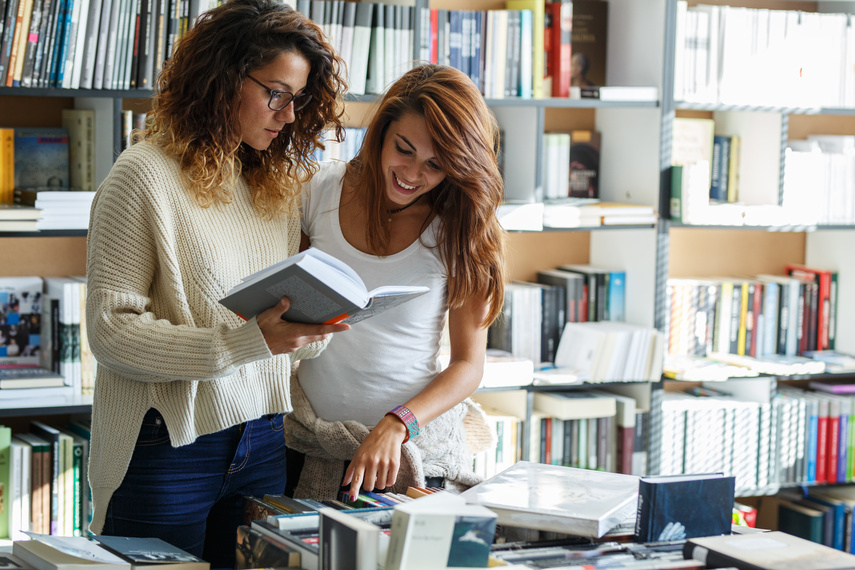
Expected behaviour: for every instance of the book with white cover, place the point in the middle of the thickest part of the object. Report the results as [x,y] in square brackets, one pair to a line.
[321,288]
[556,498]
[440,531]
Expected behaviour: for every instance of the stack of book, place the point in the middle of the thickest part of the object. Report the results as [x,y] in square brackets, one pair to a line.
[61,209]
[19,218]
[590,212]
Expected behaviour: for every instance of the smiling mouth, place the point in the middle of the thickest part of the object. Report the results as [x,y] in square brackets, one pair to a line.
[402,185]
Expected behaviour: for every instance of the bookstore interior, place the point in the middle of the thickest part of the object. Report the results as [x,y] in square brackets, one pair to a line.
[671,383]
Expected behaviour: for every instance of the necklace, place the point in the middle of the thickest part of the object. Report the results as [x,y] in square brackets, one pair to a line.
[390,213]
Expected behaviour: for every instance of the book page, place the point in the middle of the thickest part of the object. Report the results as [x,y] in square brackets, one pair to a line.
[384,298]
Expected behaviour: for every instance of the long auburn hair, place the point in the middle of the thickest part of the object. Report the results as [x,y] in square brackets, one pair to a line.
[197,98]
[465,138]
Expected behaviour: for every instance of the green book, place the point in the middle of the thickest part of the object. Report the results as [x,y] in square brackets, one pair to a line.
[5,479]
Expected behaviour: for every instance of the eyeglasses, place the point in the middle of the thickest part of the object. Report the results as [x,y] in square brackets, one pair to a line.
[281,99]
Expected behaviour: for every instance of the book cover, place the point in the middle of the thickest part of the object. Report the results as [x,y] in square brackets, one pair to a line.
[20,327]
[150,552]
[773,550]
[41,158]
[440,531]
[589,39]
[321,289]
[557,498]
[584,164]
[675,507]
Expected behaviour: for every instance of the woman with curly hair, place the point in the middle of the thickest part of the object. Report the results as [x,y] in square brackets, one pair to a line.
[188,404]
[417,206]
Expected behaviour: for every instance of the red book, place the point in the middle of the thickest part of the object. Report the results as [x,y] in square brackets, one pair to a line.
[434,34]
[547,440]
[832,452]
[822,443]
[560,47]
[823,280]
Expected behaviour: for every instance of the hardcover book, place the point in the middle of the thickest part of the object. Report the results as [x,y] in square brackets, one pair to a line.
[589,41]
[584,164]
[560,499]
[765,551]
[676,507]
[321,288]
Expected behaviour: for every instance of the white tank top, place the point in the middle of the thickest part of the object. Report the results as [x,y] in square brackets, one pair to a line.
[383,361]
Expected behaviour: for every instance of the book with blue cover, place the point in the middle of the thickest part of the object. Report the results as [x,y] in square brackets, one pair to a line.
[677,507]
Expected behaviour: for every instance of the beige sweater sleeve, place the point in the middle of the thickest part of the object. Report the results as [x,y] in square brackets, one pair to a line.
[157,265]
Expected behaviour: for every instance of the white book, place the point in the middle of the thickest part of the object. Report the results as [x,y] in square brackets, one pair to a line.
[107,9]
[73,34]
[440,531]
[348,25]
[556,498]
[347,541]
[113,45]
[76,57]
[90,45]
[376,73]
[392,44]
[322,289]
[361,47]
[46,552]
[16,492]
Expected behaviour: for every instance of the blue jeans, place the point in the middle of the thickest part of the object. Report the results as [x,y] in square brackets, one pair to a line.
[192,496]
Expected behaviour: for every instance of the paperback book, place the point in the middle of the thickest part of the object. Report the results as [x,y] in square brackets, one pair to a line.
[321,288]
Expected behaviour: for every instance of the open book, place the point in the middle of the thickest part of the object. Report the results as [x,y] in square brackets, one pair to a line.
[321,288]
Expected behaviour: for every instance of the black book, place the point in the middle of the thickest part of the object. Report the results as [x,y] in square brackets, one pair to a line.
[676,507]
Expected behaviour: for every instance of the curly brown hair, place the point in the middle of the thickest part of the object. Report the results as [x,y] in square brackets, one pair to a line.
[197,97]
[465,137]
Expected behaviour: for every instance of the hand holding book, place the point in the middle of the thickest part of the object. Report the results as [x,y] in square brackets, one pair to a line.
[321,290]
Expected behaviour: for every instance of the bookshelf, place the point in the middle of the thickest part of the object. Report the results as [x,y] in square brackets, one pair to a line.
[769,123]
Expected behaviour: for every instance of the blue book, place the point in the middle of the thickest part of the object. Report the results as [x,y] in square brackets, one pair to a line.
[843,447]
[838,514]
[720,161]
[41,158]
[616,296]
[455,40]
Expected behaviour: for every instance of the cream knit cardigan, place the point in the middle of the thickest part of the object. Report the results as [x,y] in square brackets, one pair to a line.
[157,264]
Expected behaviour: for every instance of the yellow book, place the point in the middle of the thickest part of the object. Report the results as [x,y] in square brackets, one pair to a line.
[733,169]
[21,45]
[743,318]
[538,67]
[7,164]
